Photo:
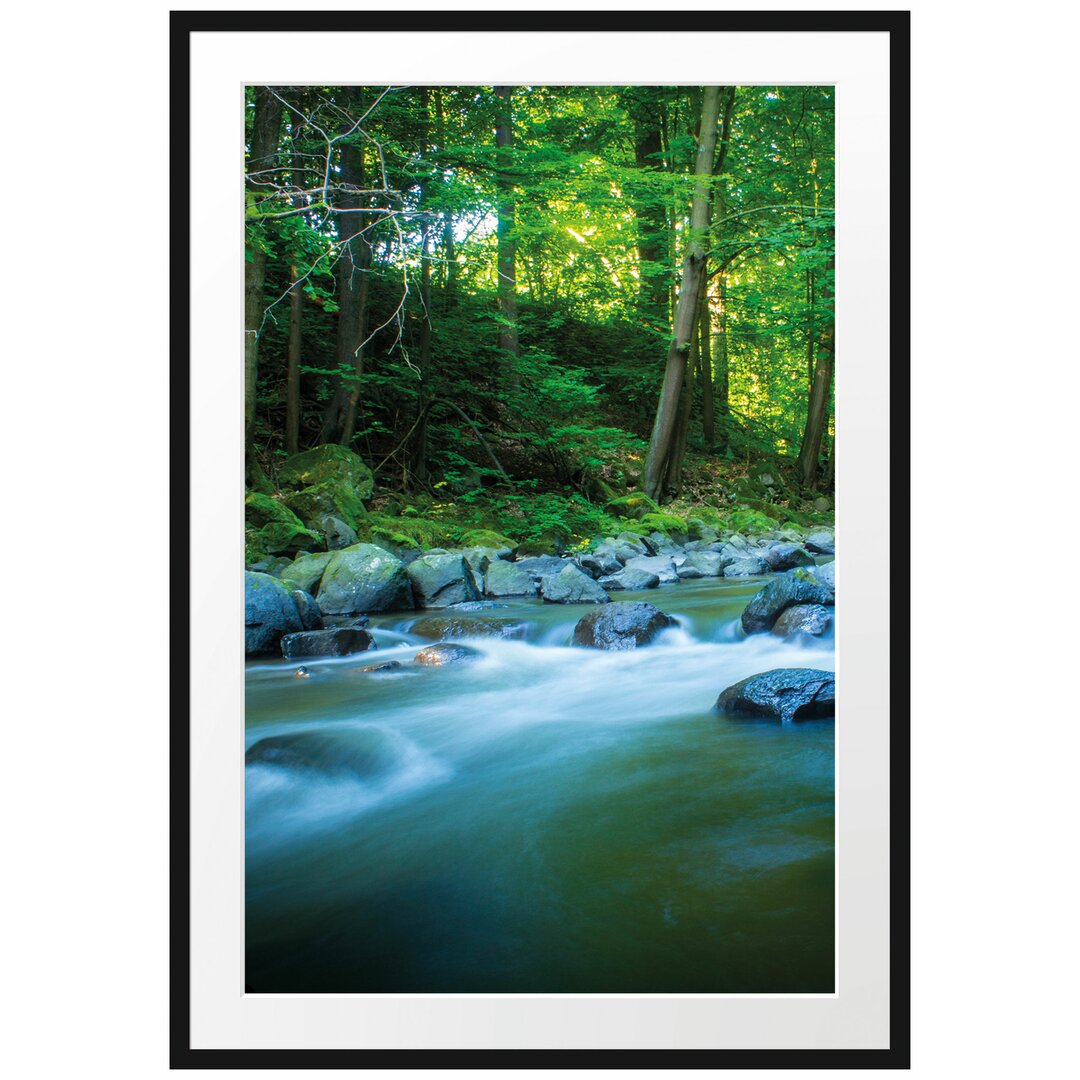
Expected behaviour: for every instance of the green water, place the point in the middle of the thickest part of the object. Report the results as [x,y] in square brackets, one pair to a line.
[546,819]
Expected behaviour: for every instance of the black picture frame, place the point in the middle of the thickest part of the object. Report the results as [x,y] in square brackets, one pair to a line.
[894,23]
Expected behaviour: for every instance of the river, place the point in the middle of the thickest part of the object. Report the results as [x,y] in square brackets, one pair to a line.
[545,819]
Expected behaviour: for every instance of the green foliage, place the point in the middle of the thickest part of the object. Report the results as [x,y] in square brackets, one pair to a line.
[751,521]
[635,505]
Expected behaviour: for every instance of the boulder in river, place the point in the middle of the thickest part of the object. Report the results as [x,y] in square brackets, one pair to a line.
[339,641]
[810,619]
[329,462]
[660,565]
[784,591]
[507,579]
[629,580]
[440,580]
[826,575]
[619,550]
[541,566]
[783,694]
[699,564]
[748,566]
[441,627]
[364,578]
[366,752]
[306,572]
[822,541]
[446,652]
[308,609]
[571,586]
[623,624]
[269,613]
[782,557]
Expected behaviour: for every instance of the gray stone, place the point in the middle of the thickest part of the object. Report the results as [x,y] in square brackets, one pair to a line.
[507,579]
[784,591]
[745,567]
[822,542]
[308,609]
[541,566]
[445,652]
[571,586]
[441,580]
[826,575]
[443,627]
[699,564]
[629,580]
[338,533]
[307,571]
[784,694]
[621,625]
[782,557]
[362,578]
[660,565]
[340,641]
[811,620]
[269,613]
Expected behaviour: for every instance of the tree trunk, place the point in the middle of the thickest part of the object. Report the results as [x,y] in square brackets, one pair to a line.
[817,409]
[296,316]
[266,129]
[650,214]
[339,417]
[449,254]
[705,372]
[507,244]
[721,384]
[418,462]
[693,273]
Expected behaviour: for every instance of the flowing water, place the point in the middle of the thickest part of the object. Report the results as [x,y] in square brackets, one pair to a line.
[545,819]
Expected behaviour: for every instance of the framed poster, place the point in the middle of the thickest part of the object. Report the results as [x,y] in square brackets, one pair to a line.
[526,368]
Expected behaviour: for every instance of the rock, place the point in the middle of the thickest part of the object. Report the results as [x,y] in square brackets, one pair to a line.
[822,542]
[589,564]
[660,565]
[476,605]
[301,673]
[784,694]
[340,641]
[825,574]
[364,752]
[325,463]
[269,613]
[260,510]
[334,497]
[506,579]
[440,580]
[272,565]
[636,542]
[662,544]
[635,505]
[809,619]
[541,566]
[281,536]
[745,567]
[338,534]
[386,665]
[364,578]
[479,559]
[571,586]
[307,571]
[617,550]
[822,505]
[699,564]
[784,591]
[485,538]
[308,609]
[442,627]
[782,557]
[446,653]
[623,624]
[629,580]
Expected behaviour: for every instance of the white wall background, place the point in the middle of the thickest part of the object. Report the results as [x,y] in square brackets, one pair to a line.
[85,626]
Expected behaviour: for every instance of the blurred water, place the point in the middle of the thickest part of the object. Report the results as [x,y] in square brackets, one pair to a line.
[545,819]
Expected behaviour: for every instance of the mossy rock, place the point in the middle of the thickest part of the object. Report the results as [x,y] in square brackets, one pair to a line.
[634,506]
[408,532]
[664,523]
[307,570]
[389,538]
[780,513]
[327,462]
[278,537]
[551,541]
[486,538]
[751,521]
[260,510]
[330,498]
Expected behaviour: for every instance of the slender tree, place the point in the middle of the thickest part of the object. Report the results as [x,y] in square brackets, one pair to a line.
[817,411]
[693,271]
[507,253]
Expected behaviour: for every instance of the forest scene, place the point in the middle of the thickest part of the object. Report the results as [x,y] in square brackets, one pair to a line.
[539,539]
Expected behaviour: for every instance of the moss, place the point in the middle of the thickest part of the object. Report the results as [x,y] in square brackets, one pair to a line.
[635,506]
[261,510]
[335,497]
[279,536]
[327,462]
[408,532]
[665,523]
[751,521]
[381,535]
[486,538]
